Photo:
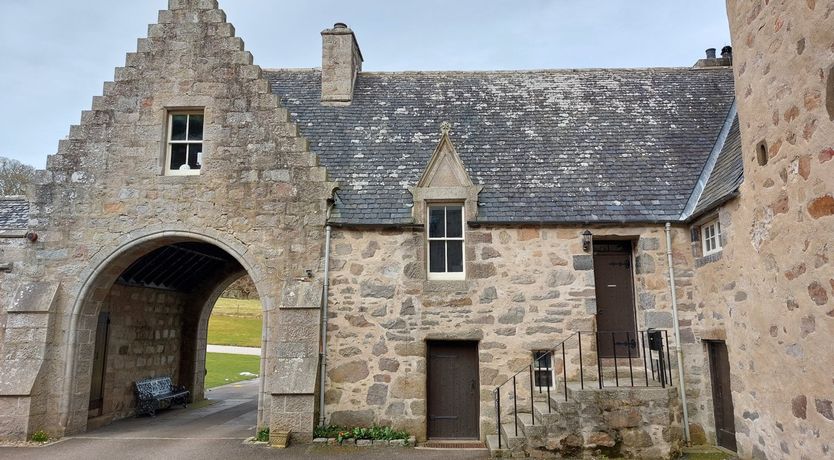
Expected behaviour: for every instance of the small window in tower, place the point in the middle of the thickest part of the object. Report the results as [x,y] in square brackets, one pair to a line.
[761,153]
[185,143]
[829,93]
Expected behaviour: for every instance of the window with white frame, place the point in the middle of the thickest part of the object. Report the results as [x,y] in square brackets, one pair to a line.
[543,368]
[185,143]
[445,240]
[711,237]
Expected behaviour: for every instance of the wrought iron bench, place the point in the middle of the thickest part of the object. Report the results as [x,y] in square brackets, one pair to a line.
[157,393]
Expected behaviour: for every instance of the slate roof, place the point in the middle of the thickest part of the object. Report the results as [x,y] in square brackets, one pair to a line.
[726,176]
[14,213]
[593,145]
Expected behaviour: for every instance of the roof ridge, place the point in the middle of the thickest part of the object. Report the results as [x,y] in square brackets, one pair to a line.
[501,71]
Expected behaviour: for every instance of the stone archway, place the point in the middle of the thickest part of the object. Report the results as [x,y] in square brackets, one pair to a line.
[160,319]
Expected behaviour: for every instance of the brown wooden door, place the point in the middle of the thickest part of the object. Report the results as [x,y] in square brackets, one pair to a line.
[722,396]
[99,355]
[615,299]
[453,390]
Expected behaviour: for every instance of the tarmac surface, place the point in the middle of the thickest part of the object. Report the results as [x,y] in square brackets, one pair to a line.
[212,430]
[233,350]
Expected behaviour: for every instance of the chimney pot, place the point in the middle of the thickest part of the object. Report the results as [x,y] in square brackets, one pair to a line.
[340,25]
[727,52]
[710,53]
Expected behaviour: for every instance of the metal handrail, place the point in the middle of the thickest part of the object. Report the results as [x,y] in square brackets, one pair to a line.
[653,337]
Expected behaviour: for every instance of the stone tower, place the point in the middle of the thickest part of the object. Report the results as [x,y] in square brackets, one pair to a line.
[780,331]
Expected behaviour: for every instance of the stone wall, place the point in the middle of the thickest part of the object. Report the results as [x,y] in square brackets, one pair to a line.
[527,289]
[144,341]
[779,312]
[103,201]
[715,291]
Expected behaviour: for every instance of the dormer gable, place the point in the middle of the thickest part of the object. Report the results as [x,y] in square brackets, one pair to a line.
[445,180]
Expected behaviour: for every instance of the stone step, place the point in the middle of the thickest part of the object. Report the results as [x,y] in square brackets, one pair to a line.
[534,430]
[494,451]
[513,442]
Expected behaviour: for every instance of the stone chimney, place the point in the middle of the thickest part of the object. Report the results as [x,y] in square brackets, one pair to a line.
[341,62]
[725,60]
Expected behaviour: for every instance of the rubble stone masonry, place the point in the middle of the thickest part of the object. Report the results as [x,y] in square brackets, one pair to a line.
[526,289]
[774,288]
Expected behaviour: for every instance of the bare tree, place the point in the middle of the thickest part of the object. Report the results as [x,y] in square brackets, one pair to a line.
[15,176]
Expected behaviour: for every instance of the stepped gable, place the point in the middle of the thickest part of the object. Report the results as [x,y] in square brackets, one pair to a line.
[595,145]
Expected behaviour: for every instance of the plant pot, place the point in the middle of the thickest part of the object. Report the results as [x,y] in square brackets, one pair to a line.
[279,439]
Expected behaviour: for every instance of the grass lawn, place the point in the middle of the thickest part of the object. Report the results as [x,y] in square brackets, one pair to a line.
[233,330]
[226,368]
[238,307]
[236,322]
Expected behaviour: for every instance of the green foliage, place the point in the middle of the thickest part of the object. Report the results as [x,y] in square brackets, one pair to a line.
[40,436]
[263,434]
[375,432]
[226,368]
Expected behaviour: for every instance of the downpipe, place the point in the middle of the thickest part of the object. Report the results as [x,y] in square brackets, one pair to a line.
[324,301]
[677,331]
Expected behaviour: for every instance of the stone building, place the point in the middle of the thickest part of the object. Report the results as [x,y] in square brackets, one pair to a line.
[446,229]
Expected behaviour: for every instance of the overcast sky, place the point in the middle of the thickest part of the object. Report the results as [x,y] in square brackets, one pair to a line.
[56,54]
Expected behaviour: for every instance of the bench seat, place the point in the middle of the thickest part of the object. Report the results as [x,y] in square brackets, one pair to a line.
[157,393]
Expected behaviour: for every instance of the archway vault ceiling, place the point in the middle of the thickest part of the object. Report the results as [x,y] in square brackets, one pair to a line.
[178,267]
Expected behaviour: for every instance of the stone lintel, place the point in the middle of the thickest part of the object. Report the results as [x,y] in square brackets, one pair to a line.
[710,333]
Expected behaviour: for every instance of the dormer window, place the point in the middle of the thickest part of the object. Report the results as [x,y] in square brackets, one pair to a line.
[185,143]
[445,240]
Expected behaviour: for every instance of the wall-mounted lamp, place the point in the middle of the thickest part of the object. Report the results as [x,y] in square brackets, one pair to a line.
[587,239]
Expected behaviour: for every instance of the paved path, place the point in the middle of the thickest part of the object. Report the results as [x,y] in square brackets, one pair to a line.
[211,431]
[233,350]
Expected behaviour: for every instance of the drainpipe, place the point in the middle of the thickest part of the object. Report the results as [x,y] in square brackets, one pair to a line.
[324,301]
[677,331]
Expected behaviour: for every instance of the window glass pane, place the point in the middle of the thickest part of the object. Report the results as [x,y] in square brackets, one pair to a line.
[195,128]
[436,222]
[543,359]
[195,155]
[543,379]
[454,250]
[178,154]
[178,127]
[437,256]
[454,224]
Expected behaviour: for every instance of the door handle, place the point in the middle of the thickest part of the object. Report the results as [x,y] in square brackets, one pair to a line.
[472,385]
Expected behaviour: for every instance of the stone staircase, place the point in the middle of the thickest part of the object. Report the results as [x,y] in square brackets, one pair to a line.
[639,422]
[631,410]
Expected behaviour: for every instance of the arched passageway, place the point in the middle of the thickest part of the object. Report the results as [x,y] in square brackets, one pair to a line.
[144,313]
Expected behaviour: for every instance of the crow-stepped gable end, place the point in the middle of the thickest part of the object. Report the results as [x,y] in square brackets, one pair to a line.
[556,263]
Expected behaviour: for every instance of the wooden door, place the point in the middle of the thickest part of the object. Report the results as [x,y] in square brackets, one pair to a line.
[722,396]
[615,299]
[99,356]
[452,390]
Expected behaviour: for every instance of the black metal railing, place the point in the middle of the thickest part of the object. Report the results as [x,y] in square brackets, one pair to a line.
[648,349]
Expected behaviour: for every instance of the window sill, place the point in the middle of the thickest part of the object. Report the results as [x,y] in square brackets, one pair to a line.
[445,286]
[708,259]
